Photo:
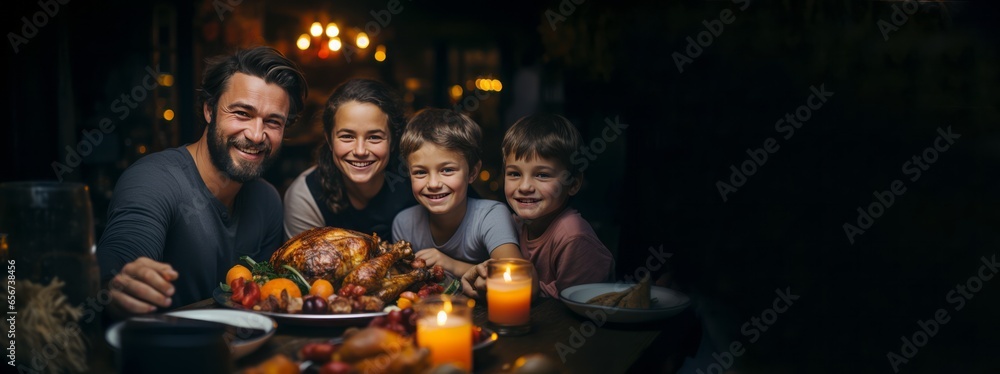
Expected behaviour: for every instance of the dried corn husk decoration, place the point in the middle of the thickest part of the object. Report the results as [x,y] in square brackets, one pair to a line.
[49,337]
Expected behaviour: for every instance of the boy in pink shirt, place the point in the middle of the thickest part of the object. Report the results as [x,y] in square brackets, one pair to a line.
[538,182]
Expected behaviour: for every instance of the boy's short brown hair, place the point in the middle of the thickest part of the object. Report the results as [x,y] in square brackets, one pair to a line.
[444,128]
[548,136]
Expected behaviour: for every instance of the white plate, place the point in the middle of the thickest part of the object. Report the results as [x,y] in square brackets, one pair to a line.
[667,303]
[238,348]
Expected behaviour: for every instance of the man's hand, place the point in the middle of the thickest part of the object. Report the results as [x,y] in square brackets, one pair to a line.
[141,286]
[474,281]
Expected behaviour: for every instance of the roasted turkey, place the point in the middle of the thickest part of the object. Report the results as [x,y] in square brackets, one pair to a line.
[394,285]
[344,256]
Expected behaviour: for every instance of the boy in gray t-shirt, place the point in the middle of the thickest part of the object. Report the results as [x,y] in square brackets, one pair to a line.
[441,149]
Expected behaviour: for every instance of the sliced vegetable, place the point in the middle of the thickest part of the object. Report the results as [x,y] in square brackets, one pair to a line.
[238,288]
[251,295]
[452,287]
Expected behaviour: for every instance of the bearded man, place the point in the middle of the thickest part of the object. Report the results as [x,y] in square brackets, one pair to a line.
[180,218]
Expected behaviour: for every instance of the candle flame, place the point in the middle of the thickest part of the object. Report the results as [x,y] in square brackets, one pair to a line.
[506,274]
[442,318]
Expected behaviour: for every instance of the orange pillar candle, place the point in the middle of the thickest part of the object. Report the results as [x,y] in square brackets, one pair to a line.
[508,295]
[444,326]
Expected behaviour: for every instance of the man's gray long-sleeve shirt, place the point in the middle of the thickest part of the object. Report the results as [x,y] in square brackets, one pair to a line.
[162,209]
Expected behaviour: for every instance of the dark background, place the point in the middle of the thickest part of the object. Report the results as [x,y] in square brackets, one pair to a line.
[656,184]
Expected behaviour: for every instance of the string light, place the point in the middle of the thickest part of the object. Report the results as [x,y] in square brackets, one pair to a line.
[363,40]
[487,84]
[332,30]
[303,42]
[326,40]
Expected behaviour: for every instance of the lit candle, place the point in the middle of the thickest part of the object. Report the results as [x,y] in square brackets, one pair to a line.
[508,295]
[444,326]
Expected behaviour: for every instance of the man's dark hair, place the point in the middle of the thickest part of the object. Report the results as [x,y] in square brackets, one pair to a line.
[262,62]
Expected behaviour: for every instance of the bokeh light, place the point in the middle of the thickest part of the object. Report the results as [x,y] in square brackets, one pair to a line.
[362,40]
[303,42]
[455,92]
[166,80]
[412,84]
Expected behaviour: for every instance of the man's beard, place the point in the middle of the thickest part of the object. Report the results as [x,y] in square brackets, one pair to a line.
[242,171]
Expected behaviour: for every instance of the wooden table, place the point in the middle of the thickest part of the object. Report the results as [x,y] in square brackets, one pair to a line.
[574,341]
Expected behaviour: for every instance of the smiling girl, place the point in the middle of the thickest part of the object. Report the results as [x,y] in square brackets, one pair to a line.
[349,188]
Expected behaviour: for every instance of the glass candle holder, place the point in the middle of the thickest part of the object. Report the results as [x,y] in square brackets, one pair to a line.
[47,233]
[508,295]
[444,326]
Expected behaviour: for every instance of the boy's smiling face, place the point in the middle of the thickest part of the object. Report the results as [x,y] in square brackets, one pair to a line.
[537,188]
[440,178]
